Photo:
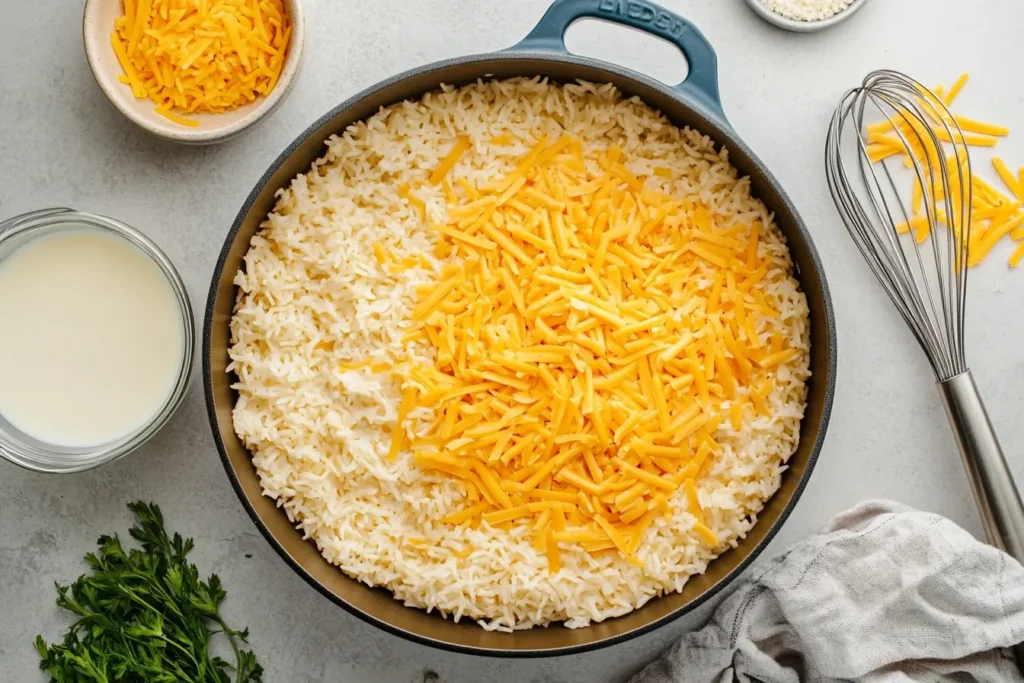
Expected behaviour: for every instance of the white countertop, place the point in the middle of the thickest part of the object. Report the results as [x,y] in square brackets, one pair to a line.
[62,144]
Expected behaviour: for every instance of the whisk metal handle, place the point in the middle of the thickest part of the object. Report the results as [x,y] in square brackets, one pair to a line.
[999,501]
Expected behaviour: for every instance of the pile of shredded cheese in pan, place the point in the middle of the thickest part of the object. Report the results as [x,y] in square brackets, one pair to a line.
[201,56]
[520,352]
[570,355]
[994,214]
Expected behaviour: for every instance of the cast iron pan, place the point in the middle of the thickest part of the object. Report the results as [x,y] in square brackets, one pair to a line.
[695,103]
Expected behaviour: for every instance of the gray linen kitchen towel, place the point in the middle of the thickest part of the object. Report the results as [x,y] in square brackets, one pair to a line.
[883,594]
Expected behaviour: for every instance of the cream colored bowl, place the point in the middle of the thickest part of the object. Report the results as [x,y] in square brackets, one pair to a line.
[98,24]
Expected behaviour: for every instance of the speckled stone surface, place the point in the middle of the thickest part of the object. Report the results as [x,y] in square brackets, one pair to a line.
[62,144]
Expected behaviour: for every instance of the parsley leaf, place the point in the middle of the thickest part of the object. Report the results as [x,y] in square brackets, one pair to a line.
[145,615]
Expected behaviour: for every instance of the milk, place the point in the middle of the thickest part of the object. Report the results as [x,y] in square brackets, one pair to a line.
[91,338]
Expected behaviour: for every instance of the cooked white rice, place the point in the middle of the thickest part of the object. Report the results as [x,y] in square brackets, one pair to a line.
[312,295]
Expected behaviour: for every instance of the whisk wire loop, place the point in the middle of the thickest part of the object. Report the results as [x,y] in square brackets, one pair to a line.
[925,279]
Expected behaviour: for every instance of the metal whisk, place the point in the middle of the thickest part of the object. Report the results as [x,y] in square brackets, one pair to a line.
[925,278]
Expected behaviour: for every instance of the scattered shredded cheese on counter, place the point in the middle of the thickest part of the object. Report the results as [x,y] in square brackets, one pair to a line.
[994,214]
[591,334]
[201,56]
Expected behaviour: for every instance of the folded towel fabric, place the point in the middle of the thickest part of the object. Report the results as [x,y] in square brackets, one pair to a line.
[883,594]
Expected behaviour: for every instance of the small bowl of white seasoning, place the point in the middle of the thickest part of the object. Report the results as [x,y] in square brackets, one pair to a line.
[98,340]
[804,16]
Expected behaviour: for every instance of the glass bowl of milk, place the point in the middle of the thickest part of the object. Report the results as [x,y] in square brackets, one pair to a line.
[97,340]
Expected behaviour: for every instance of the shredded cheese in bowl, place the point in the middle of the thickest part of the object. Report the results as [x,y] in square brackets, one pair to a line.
[521,353]
[201,56]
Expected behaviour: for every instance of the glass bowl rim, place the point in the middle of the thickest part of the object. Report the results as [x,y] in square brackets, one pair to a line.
[32,454]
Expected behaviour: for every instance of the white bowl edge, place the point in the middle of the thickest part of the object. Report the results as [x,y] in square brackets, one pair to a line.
[804,26]
[97,26]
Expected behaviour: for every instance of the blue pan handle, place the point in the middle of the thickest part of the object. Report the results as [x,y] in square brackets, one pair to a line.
[700,84]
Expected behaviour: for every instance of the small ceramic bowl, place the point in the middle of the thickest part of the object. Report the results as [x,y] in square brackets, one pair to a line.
[805,26]
[97,26]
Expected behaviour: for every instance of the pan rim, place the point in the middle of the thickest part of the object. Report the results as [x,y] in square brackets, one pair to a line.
[710,121]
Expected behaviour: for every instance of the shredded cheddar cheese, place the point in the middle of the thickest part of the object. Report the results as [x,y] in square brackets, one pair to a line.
[591,335]
[201,56]
[460,146]
[994,215]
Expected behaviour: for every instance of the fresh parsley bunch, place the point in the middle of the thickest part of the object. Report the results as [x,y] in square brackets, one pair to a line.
[144,616]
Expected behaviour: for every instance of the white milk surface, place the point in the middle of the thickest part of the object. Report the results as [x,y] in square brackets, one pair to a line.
[91,339]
